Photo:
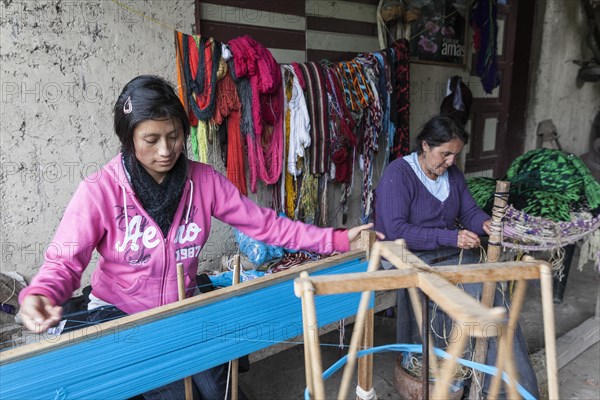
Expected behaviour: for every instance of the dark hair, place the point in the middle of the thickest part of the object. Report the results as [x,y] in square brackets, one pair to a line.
[439,130]
[147,97]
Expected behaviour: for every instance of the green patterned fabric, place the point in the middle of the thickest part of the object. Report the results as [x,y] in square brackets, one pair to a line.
[482,190]
[545,183]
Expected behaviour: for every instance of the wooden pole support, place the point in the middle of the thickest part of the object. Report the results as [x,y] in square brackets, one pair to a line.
[365,364]
[311,338]
[237,270]
[359,324]
[307,349]
[487,296]
[505,359]
[549,329]
[448,368]
[187,381]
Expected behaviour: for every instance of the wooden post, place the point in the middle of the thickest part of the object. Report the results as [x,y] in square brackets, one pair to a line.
[359,323]
[307,350]
[426,343]
[189,393]
[549,329]
[312,341]
[448,369]
[487,296]
[505,347]
[365,364]
[235,363]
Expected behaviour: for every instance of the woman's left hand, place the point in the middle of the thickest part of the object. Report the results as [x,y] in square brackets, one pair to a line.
[354,235]
[487,226]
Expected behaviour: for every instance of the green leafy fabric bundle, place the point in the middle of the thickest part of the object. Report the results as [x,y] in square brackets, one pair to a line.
[545,183]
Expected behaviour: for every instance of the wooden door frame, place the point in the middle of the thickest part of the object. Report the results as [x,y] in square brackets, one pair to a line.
[511,104]
[521,83]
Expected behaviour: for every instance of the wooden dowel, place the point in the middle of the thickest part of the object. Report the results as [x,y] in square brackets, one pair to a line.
[417,310]
[237,269]
[511,367]
[549,332]
[187,381]
[487,296]
[448,368]
[307,349]
[416,306]
[359,325]
[426,346]
[308,297]
[365,364]
[505,359]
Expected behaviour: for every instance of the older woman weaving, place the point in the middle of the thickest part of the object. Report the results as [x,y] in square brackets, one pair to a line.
[423,198]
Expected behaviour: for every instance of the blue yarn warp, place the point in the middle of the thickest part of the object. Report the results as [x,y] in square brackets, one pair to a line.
[416,348]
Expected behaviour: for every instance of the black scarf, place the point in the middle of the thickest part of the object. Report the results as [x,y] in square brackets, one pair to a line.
[160,200]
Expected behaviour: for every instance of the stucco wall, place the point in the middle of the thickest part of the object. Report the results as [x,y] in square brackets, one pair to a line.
[63,63]
[555,92]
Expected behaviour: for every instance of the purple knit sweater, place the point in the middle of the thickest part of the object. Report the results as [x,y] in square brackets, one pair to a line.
[404,209]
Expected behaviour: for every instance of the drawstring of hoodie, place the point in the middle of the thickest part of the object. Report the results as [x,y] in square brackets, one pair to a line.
[191,195]
[125,210]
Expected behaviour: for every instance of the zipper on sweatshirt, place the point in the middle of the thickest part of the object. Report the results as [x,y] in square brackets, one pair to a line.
[165,240]
[163,288]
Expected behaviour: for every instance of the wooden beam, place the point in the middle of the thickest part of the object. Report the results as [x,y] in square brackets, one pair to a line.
[459,305]
[398,279]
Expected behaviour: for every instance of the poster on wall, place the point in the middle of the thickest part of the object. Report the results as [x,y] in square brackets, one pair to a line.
[438,35]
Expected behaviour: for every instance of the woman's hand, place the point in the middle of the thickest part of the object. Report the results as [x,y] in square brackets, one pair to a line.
[354,235]
[39,313]
[467,239]
[487,226]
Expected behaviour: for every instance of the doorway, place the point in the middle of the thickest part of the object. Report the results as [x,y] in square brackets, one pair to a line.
[498,119]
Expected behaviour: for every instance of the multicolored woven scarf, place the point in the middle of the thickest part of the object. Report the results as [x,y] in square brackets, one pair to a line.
[401,98]
[316,100]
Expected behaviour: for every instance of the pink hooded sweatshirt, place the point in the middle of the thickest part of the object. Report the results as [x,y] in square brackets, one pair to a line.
[136,269]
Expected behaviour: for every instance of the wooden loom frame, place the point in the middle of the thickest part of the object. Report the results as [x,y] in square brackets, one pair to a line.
[14,375]
[438,283]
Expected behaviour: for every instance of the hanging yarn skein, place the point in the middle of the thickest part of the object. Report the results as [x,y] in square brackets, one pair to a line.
[253,60]
[198,60]
[228,110]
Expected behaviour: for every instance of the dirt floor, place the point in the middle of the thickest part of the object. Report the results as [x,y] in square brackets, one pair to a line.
[282,376]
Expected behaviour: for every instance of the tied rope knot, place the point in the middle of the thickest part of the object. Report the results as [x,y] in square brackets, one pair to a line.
[366,395]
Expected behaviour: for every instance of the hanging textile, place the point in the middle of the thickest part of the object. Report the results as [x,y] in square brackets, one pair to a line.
[288,189]
[227,111]
[316,101]
[341,125]
[198,61]
[385,90]
[401,99]
[300,125]
[338,111]
[485,30]
[373,116]
[254,61]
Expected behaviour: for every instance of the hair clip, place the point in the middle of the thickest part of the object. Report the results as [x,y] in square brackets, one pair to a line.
[127,107]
